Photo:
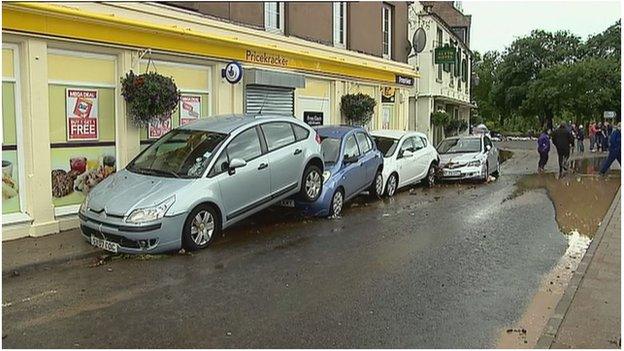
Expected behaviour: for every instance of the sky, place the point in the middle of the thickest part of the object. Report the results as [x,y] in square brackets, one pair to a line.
[495,24]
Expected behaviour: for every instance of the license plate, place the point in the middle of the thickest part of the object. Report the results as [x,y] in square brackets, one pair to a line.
[287,203]
[451,173]
[103,244]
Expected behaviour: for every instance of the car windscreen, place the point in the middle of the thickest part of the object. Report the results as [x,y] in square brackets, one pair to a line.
[331,149]
[180,153]
[386,145]
[459,146]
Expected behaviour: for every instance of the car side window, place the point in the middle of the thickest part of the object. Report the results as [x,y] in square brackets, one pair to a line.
[364,142]
[418,144]
[245,146]
[351,148]
[278,134]
[424,141]
[407,145]
[300,132]
[487,141]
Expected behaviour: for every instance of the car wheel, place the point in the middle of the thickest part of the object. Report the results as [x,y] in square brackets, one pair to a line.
[497,172]
[312,184]
[336,204]
[376,189]
[391,185]
[430,178]
[487,173]
[201,228]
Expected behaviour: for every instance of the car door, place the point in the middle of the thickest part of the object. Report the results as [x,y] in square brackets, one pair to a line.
[285,156]
[368,156]
[354,172]
[248,187]
[405,161]
[492,154]
[420,166]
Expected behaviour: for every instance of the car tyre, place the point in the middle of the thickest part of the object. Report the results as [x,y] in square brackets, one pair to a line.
[487,173]
[337,204]
[376,189]
[429,180]
[311,184]
[391,185]
[201,228]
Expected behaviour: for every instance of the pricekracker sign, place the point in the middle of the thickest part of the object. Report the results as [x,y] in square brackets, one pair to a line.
[264,58]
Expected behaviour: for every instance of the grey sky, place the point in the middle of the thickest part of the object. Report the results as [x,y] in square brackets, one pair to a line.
[495,24]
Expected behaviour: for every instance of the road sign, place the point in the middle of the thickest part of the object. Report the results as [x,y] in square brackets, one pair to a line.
[609,114]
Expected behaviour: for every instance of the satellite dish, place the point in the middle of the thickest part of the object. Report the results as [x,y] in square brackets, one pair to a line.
[419,40]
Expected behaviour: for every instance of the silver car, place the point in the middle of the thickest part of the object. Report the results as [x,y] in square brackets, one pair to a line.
[201,178]
[468,157]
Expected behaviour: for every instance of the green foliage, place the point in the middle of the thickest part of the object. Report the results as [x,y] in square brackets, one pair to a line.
[546,75]
[149,96]
[440,118]
[357,108]
[455,126]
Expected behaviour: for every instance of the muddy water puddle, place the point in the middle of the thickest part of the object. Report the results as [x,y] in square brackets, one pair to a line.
[581,200]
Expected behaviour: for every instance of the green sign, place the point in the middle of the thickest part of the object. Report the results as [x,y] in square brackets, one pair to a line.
[444,55]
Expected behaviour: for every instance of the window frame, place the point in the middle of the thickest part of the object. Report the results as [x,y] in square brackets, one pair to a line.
[440,38]
[338,39]
[266,140]
[268,13]
[386,10]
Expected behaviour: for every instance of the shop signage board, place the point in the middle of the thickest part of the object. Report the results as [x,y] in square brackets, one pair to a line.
[445,55]
[233,72]
[82,114]
[609,114]
[313,118]
[158,128]
[404,80]
[190,108]
[388,94]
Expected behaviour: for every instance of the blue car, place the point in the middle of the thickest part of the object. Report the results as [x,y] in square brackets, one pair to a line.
[352,165]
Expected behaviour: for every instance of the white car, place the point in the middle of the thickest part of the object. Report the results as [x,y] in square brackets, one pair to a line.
[409,157]
[468,157]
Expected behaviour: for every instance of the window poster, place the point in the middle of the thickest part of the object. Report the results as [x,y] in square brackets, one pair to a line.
[82,114]
[158,128]
[10,167]
[190,108]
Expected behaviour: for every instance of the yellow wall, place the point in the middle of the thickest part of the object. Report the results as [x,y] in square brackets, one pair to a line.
[7,64]
[81,69]
[315,88]
[185,77]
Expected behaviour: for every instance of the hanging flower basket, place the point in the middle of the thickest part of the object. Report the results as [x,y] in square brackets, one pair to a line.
[357,108]
[149,96]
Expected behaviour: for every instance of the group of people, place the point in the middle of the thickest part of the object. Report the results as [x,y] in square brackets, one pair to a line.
[602,137]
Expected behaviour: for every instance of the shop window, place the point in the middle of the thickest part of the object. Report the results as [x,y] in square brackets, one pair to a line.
[193,81]
[387,30]
[439,44]
[82,91]
[340,24]
[274,16]
[12,169]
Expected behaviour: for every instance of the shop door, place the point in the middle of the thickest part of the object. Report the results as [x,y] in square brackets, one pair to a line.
[268,100]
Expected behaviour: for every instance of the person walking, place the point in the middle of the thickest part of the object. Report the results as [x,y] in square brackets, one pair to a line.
[614,150]
[599,137]
[608,129]
[580,138]
[592,136]
[543,148]
[562,139]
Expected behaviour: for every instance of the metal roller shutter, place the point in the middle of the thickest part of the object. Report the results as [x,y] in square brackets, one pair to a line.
[271,100]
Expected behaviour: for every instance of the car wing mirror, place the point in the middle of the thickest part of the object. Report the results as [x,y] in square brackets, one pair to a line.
[488,148]
[236,163]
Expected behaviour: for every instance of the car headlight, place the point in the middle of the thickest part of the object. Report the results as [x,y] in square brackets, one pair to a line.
[326,176]
[85,204]
[476,163]
[148,214]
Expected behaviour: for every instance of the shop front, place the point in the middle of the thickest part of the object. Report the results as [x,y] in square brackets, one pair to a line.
[64,118]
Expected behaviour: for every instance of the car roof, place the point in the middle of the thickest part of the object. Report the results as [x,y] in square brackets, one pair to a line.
[335,131]
[395,134]
[479,136]
[229,123]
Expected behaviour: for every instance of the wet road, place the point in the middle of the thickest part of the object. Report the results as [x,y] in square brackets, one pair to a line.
[444,267]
